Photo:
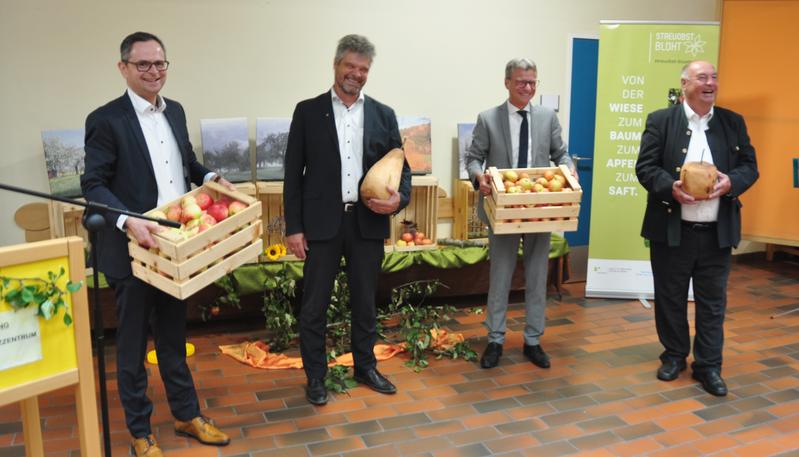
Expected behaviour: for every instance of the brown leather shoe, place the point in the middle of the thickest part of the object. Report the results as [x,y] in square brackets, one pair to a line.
[146,447]
[201,429]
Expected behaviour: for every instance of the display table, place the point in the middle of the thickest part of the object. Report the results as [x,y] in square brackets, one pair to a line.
[463,270]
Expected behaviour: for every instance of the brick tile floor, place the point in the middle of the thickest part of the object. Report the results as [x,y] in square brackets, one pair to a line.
[600,398]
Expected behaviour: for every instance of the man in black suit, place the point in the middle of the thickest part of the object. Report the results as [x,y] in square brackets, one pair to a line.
[690,238]
[333,141]
[138,156]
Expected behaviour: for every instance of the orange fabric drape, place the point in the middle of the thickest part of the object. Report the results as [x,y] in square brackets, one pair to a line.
[256,353]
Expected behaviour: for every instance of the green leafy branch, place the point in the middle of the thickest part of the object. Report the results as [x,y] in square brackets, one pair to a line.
[338,378]
[278,297]
[45,294]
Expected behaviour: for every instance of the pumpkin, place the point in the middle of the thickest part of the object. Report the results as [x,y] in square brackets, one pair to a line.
[385,173]
[698,179]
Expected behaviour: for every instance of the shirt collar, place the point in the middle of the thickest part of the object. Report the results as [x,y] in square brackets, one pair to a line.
[336,98]
[512,108]
[142,106]
[692,116]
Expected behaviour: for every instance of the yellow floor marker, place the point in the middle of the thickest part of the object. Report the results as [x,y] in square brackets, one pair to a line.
[153,359]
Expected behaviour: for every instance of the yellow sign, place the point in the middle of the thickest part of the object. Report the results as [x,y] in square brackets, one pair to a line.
[57,339]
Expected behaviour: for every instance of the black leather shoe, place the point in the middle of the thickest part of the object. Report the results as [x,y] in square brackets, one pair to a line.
[536,355]
[375,381]
[491,355]
[316,392]
[712,383]
[670,370]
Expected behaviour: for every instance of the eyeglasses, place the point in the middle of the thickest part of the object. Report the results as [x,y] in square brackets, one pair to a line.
[521,83]
[144,65]
[703,78]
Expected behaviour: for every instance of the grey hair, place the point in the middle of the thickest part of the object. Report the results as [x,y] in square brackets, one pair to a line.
[358,44]
[519,64]
[684,72]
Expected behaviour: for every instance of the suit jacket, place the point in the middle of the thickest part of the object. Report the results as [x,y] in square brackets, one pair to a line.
[312,201]
[664,144]
[119,172]
[491,143]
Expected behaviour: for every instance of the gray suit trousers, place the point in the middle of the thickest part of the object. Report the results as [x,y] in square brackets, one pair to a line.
[503,251]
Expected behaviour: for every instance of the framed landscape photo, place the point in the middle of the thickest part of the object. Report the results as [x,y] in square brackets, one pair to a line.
[226,147]
[63,158]
[464,140]
[415,132]
[271,139]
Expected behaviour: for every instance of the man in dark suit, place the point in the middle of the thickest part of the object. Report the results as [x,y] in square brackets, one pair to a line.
[690,238]
[333,141]
[138,156]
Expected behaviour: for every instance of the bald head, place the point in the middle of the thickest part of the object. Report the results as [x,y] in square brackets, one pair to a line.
[699,82]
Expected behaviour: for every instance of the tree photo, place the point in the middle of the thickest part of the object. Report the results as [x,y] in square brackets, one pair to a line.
[271,139]
[63,158]
[226,147]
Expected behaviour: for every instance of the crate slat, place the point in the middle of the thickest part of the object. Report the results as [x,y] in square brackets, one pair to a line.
[185,289]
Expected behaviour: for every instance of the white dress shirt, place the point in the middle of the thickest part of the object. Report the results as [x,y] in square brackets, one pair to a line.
[163,149]
[698,150]
[349,128]
[515,122]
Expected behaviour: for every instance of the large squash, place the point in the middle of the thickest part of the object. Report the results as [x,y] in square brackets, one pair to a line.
[385,173]
[698,179]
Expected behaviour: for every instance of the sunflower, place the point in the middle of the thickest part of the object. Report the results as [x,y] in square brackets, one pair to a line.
[282,249]
[273,252]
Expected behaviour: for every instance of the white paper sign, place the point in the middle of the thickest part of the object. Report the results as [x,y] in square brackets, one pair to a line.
[20,338]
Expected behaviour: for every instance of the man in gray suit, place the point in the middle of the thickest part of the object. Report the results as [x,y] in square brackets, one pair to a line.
[516,134]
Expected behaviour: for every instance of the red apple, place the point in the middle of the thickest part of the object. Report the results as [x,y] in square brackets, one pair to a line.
[224,200]
[218,211]
[190,212]
[407,236]
[203,200]
[174,213]
[204,226]
[235,207]
[207,219]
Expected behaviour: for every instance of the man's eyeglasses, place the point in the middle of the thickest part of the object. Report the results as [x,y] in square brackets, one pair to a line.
[703,78]
[144,65]
[521,83]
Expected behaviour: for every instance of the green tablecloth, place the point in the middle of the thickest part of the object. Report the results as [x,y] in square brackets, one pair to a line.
[251,277]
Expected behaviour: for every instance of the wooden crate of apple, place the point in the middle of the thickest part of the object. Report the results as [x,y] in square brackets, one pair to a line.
[531,200]
[220,231]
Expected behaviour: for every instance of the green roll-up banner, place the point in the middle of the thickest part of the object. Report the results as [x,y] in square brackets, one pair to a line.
[639,72]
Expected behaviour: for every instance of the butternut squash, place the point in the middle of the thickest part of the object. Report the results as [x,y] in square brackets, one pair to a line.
[385,173]
[698,179]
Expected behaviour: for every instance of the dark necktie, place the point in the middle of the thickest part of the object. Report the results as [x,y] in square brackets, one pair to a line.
[524,132]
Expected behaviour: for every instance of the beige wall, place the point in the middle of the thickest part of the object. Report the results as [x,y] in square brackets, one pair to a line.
[439,58]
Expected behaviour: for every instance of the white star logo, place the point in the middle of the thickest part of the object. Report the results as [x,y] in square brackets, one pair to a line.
[695,47]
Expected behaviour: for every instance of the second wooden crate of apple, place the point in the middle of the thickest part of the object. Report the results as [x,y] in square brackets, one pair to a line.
[185,267]
[422,210]
[533,212]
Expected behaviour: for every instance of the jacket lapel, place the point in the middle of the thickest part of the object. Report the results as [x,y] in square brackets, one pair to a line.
[369,116]
[504,124]
[716,143]
[184,154]
[134,126]
[328,119]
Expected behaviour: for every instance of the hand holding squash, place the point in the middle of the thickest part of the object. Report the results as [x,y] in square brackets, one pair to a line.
[385,205]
